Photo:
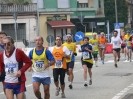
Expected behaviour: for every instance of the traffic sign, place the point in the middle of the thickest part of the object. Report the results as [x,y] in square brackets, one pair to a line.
[117,25]
[79,36]
[50,39]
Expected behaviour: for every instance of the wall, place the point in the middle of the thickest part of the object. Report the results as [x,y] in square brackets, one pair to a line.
[43,27]
[30,24]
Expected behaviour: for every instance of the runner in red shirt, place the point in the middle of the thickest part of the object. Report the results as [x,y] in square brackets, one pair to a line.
[14,63]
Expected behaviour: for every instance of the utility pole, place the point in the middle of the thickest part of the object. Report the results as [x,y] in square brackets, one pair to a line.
[15,26]
[116,14]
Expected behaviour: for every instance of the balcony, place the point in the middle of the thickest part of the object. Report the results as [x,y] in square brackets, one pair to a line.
[7,9]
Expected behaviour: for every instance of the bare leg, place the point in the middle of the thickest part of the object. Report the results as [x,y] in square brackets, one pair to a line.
[36,88]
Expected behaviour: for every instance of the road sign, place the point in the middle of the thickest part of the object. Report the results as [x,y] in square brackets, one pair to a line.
[117,25]
[79,36]
[50,39]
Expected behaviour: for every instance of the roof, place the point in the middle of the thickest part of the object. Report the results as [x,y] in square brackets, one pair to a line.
[61,24]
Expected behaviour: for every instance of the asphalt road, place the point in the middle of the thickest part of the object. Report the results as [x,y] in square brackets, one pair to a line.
[108,82]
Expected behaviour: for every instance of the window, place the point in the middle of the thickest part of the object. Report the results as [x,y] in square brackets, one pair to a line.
[63,3]
[82,5]
[21,30]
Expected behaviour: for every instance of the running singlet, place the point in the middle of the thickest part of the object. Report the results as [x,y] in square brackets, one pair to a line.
[60,61]
[39,61]
[72,49]
[102,41]
[94,43]
[86,56]
[11,67]
[126,38]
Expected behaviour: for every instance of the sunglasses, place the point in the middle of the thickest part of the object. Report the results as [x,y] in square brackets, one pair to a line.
[58,39]
[7,44]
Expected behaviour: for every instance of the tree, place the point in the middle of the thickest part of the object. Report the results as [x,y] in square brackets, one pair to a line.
[122,10]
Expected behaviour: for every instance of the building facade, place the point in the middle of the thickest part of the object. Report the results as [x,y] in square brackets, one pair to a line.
[50,18]
[80,15]
[19,22]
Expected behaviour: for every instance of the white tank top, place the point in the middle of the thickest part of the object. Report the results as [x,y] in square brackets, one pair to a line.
[11,67]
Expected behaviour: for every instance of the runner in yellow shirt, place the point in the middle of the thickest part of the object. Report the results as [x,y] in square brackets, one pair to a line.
[128,45]
[70,62]
[94,43]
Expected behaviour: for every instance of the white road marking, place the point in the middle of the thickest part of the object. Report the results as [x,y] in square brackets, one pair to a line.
[121,93]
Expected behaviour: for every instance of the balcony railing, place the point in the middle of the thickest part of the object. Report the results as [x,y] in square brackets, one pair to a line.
[67,9]
[10,8]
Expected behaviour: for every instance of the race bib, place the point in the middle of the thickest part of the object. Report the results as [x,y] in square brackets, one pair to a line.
[86,55]
[39,65]
[102,45]
[58,64]
[11,68]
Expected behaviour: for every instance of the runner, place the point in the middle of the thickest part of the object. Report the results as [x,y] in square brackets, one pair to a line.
[87,61]
[42,59]
[102,45]
[14,63]
[123,45]
[2,35]
[128,45]
[60,54]
[116,41]
[70,62]
[130,50]
[94,42]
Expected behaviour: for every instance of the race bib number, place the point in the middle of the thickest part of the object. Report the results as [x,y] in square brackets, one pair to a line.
[58,64]
[11,68]
[39,65]
[86,55]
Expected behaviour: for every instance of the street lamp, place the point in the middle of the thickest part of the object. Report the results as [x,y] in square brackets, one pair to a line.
[116,16]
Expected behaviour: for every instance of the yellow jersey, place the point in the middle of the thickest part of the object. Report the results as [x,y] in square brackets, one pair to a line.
[72,48]
[39,61]
[126,39]
[94,43]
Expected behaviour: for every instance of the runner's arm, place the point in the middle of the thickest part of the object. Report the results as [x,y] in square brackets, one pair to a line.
[75,53]
[1,63]
[22,57]
[66,52]
[50,58]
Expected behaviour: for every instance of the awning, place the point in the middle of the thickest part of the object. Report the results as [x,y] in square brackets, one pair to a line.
[61,24]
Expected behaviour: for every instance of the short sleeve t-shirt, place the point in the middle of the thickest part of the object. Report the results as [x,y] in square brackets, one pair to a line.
[116,41]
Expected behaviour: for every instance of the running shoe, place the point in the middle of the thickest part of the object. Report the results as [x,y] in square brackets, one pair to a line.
[63,95]
[85,85]
[116,65]
[90,82]
[102,61]
[57,91]
[118,59]
[70,86]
